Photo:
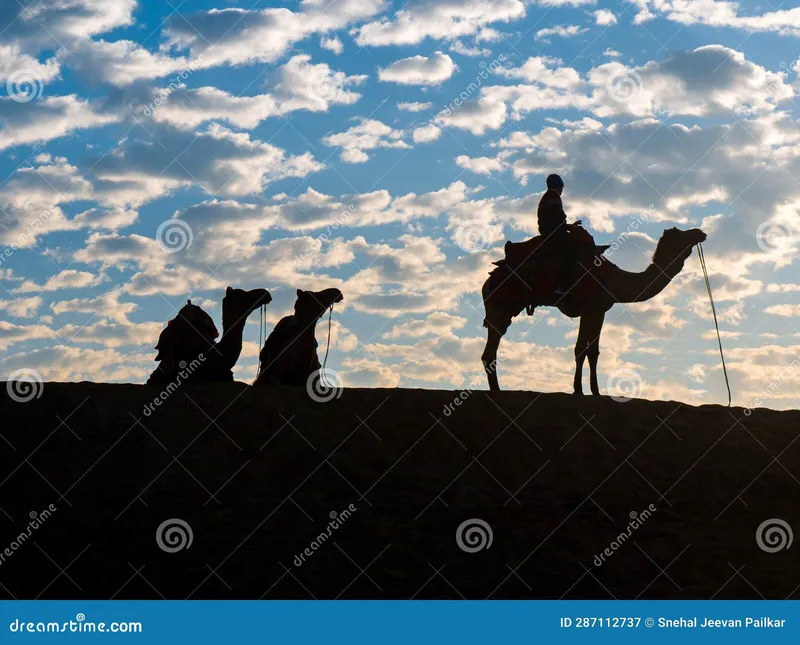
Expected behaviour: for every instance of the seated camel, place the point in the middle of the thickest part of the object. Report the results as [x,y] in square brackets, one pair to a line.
[289,356]
[186,348]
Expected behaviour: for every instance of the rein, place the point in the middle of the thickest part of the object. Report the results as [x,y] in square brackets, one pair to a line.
[328,346]
[714,313]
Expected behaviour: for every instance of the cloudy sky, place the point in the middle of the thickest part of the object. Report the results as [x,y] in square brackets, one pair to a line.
[157,151]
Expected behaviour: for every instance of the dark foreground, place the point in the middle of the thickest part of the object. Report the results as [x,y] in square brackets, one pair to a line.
[257,475]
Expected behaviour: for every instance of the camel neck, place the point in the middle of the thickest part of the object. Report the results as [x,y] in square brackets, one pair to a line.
[638,287]
[230,345]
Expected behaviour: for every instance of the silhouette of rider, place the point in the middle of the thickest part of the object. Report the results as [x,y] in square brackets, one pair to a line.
[554,229]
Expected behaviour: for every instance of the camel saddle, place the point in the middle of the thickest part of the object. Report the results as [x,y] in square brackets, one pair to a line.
[537,265]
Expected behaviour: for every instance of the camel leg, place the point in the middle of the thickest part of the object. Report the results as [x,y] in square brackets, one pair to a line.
[588,346]
[489,357]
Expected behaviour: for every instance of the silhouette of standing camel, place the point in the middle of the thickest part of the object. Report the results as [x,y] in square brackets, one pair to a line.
[192,333]
[505,295]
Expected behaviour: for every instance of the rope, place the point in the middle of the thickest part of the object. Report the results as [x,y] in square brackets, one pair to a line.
[328,347]
[714,313]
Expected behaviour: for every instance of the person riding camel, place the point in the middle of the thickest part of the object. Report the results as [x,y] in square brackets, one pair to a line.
[554,229]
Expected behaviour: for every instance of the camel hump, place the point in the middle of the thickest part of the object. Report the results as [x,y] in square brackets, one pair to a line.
[191,328]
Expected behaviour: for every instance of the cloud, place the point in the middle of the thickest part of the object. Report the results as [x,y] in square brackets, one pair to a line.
[562,31]
[419,70]
[414,106]
[436,19]
[332,44]
[298,85]
[67,279]
[369,134]
[426,134]
[605,17]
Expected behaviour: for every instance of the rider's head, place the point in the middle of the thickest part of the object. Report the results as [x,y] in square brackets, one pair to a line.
[554,182]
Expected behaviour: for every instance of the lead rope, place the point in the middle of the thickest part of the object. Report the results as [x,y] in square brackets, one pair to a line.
[328,347]
[714,313]
[262,335]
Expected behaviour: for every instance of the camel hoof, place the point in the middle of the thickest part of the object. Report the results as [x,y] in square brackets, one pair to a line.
[595,392]
[577,392]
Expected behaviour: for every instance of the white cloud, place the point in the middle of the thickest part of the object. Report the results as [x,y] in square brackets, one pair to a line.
[414,106]
[419,70]
[369,134]
[67,279]
[605,17]
[332,43]
[562,31]
[426,134]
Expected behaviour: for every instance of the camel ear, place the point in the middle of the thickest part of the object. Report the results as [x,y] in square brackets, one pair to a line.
[228,290]
[300,292]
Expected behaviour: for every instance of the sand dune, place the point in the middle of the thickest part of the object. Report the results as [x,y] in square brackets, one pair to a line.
[255,475]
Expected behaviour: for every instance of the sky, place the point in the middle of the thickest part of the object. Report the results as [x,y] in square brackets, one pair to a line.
[152,152]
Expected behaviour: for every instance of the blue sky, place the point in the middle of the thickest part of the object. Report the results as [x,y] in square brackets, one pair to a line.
[258,125]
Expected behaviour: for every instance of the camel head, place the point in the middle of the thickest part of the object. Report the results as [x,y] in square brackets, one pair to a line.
[674,247]
[312,304]
[238,304]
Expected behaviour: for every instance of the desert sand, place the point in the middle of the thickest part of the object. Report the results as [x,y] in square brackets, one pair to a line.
[256,474]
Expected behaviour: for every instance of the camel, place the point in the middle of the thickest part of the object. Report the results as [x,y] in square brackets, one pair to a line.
[186,348]
[601,285]
[289,356]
